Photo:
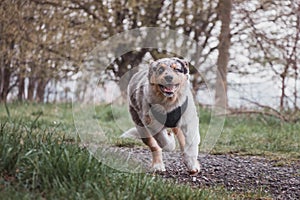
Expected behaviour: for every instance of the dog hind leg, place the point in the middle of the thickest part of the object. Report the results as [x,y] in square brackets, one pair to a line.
[165,140]
[131,133]
[180,137]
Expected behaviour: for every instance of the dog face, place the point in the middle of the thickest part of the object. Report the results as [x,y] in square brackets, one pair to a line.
[168,76]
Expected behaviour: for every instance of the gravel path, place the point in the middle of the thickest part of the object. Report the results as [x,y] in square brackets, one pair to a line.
[236,173]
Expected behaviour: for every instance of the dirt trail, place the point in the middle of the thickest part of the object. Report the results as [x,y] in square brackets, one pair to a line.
[237,173]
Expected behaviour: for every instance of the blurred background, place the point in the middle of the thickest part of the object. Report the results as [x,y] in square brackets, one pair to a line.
[254,45]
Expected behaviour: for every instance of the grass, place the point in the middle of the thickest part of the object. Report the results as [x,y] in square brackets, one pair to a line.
[258,135]
[40,157]
[38,163]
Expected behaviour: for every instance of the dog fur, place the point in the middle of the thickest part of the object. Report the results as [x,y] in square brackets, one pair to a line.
[160,100]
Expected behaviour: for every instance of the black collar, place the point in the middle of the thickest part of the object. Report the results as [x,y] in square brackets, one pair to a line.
[171,118]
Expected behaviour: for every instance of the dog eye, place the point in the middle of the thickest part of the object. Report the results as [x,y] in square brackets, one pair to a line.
[178,70]
[161,70]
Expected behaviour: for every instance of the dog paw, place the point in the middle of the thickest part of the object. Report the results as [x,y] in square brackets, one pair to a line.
[194,172]
[194,169]
[192,164]
[158,167]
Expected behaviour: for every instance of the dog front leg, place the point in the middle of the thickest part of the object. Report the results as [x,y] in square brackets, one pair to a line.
[156,150]
[157,162]
[191,148]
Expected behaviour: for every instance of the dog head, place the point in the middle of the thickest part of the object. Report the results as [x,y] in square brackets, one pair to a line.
[168,76]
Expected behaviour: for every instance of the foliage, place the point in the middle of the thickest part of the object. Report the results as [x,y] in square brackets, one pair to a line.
[268,44]
[44,42]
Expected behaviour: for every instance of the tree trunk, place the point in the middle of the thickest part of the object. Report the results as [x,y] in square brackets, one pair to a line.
[40,90]
[31,88]
[5,80]
[296,67]
[221,99]
[21,88]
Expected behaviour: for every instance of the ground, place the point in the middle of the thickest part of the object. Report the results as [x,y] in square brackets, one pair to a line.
[236,173]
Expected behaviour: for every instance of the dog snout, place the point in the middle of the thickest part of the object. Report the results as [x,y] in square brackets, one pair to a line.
[168,78]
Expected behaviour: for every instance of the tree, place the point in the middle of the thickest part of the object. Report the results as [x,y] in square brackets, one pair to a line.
[37,44]
[224,11]
[269,41]
[44,41]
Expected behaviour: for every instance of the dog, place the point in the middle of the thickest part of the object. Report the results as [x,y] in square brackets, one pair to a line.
[160,100]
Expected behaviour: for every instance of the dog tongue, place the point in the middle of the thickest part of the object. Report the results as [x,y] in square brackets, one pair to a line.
[169,88]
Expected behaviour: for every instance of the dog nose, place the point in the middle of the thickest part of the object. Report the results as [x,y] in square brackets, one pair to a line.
[168,78]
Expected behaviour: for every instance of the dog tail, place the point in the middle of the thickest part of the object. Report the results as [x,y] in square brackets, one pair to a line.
[131,133]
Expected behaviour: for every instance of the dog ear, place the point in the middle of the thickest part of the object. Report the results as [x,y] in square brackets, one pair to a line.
[184,64]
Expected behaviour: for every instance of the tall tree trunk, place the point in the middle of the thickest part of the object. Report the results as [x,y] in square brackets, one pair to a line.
[40,90]
[283,77]
[224,11]
[21,88]
[31,88]
[1,80]
[296,67]
[5,81]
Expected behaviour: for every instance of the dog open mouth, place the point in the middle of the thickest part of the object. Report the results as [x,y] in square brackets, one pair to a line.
[168,90]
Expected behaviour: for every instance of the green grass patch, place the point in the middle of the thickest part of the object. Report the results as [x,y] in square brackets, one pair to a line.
[260,135]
